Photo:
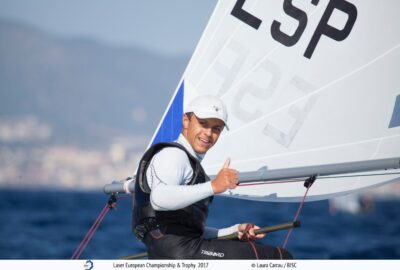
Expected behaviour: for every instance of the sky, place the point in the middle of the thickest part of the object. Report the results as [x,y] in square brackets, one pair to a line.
[165,26]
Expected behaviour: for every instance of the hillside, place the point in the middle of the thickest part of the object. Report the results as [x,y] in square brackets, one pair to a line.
[85,91]
[76,113]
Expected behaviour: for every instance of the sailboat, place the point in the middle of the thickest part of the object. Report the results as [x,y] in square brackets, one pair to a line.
[313,94]
[311,90]
[353,204]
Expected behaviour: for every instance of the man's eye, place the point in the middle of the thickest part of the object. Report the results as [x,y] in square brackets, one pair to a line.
[217,130]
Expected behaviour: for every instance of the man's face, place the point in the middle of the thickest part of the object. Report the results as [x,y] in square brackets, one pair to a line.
[202,134]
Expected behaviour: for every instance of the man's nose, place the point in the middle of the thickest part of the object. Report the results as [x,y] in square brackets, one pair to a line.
[208,131]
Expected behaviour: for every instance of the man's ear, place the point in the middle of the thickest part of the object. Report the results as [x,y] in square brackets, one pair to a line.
[185,122]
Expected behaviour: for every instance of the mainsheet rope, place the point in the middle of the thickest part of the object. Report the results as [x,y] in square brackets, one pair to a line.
[297,214]
[246,236]
[89,235]
[309,182]
[79,250]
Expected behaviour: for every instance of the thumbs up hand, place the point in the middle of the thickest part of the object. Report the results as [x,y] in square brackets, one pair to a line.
[226,179]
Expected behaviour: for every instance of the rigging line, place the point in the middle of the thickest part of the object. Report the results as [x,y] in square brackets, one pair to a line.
[358,175]
[246,236]
[280,252]
[253,246]
[87,237]
[77,251]
[216,57]
[320,177]
[270,182]
[296,216]
[306,96]
[310,150]
[92,233]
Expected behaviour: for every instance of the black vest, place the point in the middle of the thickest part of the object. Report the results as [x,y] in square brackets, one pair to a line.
[189,221]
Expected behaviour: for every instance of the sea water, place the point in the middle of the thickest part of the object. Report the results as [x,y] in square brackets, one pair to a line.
[51,224]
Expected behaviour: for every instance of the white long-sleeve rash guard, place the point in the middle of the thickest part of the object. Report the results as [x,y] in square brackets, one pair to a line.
[168,182]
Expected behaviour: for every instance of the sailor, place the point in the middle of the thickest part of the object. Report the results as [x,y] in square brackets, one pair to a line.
[172,194]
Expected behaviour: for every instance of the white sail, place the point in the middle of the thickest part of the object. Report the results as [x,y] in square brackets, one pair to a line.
[306,83]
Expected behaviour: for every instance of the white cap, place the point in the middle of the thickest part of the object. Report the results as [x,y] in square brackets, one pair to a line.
[208,106]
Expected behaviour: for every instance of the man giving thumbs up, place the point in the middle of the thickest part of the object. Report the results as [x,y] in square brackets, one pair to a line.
[173,192]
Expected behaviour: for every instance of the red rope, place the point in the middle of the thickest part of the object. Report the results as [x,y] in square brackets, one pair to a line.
[280,252]
[79,250]
[246,236]
[270,182]
[296,216]
[254,248]
[298,210]
[89,235]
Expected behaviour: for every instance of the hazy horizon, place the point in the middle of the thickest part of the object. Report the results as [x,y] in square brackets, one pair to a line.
[167,27]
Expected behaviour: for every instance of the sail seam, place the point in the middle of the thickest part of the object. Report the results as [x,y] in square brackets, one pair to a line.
[311,150]
[306,96]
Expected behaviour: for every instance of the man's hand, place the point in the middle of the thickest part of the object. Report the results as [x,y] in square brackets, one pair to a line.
[226,179]
[246,232]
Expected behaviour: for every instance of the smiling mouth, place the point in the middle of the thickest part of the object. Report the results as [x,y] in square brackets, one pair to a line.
[205,141]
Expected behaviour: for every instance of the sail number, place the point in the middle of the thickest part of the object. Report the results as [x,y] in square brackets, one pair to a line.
[323,27]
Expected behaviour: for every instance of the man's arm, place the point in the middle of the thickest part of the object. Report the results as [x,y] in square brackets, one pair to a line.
[168,174]
[245,231]
[211,232]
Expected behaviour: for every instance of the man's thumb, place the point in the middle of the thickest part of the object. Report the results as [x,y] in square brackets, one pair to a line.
[227,162]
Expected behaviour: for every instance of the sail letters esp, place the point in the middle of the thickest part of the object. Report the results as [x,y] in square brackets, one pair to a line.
[323,27]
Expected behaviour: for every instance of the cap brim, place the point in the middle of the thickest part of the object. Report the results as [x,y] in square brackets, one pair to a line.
[205,116]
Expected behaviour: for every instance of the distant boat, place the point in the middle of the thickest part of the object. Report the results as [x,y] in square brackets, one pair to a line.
[353,204]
